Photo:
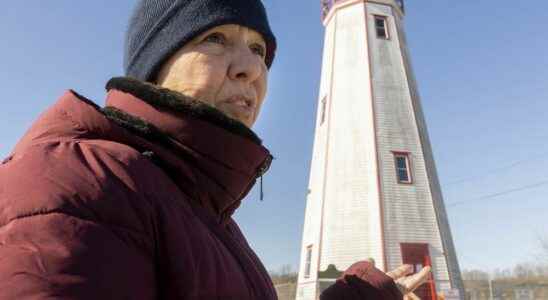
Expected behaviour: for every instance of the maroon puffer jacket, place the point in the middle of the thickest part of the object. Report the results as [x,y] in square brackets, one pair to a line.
[131,201]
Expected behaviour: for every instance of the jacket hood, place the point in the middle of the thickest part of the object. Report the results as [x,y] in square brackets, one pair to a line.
[215,157]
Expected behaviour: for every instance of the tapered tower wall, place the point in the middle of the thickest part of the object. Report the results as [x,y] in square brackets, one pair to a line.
[409,213]
[343,200]
[450,254]
[350,189]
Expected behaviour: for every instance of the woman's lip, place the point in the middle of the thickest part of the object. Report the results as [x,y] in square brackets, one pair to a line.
[242,108]
[238,111]
[241,101]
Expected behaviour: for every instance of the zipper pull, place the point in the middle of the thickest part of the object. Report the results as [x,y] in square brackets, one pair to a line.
[265,166]
[262,194]
[260,172]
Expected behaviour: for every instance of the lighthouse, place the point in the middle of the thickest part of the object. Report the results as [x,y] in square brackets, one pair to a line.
[373,191]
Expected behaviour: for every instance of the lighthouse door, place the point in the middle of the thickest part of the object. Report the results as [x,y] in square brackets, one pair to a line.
[418,256]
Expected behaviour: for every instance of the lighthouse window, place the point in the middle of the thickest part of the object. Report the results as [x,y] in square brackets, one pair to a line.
[381,27]
[307,264]
[324,103]
[403,171]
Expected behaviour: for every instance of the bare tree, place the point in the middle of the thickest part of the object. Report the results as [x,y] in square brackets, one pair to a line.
[474,275]
[541,270]
[523,271]
[285,274]
[544,247]
[502,273]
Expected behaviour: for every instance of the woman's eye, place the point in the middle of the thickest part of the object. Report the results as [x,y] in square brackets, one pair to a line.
[258,49]
[216,38]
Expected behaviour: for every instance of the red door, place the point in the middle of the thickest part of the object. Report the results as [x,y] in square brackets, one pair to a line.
[418,256]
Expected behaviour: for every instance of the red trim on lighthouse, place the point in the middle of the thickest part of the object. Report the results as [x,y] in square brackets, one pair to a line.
[418,255]
[338,4]
[379,177]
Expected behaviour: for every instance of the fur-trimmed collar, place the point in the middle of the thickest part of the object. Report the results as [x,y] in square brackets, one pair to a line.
[184,134]
[177,102]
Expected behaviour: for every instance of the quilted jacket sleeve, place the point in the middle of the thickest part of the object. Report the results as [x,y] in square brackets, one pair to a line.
[71,227]
[363,281]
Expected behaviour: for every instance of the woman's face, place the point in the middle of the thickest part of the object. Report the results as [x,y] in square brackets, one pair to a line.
[224,67]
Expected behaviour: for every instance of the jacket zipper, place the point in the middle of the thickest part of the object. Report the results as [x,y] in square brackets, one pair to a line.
[264,166]
[260,172]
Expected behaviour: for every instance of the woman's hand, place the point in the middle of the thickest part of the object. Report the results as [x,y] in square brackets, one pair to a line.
[407,284]
[363,281]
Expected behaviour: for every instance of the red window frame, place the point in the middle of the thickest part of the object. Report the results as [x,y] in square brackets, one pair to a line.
[407,156]
[386,27]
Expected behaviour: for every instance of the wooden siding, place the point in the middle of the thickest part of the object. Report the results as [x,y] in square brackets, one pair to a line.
[435,188]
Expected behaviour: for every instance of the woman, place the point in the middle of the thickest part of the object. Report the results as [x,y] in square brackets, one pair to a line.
[135,200]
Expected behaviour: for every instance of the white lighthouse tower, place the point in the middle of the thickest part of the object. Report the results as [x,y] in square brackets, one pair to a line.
[374,192]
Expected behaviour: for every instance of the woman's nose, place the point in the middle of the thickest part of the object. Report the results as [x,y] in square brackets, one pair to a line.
[245,65]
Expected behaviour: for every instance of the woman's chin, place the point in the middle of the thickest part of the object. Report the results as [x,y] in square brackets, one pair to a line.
[244,117]
[247,121]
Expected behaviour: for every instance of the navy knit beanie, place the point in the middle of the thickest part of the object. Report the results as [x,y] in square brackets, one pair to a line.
[158,28]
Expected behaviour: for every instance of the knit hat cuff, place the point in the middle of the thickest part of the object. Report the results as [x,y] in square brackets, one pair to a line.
[166,38]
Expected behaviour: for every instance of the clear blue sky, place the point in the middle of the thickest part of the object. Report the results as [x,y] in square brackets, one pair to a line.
[482,68]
